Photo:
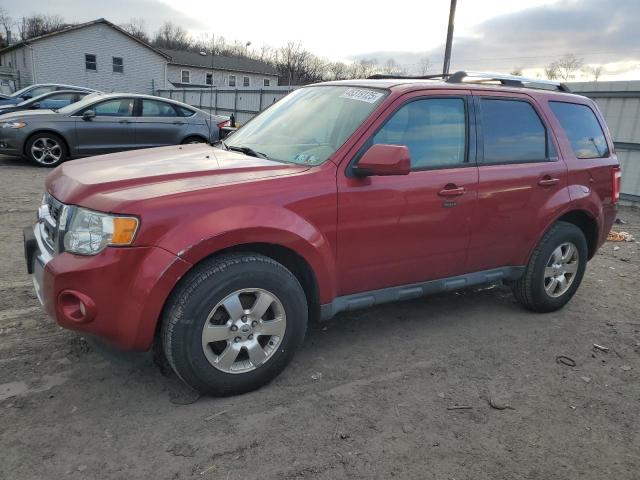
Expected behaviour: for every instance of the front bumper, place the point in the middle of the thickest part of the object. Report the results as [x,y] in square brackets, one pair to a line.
[117,295]
[11,141]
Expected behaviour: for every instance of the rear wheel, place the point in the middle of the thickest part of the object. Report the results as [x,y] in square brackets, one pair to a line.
[234,323]
[555,269]
[46,150]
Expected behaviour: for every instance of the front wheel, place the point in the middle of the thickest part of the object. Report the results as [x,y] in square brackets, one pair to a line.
[46,150]
[555,269]
[234,323]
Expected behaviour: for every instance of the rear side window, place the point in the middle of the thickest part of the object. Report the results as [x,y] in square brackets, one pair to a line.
[183,112]
[153,108]
[433,129]
[512,132]
[582,128]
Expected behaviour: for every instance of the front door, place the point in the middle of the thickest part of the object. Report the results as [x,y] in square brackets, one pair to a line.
[522,181]
[111,130]
[399,230]
[159,124]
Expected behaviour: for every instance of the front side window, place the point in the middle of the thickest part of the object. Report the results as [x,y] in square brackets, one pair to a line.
[245,81]
[121,107]
[582,128]
[185,76]
[512,132]
[118,65]
[90,62]
[39,91]
[154,108]
[433,129]
[57,100]
[232,80]
[308,125]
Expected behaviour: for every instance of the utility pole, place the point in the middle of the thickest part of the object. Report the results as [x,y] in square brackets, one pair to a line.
[447,50]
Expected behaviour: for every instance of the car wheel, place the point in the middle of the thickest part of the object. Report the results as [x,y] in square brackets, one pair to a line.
[555,269]
[193,140]
[234,323]
[46,150]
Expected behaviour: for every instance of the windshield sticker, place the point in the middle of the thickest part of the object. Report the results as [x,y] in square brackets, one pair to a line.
[361,94]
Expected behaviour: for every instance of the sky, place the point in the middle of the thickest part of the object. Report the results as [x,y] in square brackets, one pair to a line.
[493,35]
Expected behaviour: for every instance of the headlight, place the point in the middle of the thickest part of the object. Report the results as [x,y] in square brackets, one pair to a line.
[91,232]
[13,125]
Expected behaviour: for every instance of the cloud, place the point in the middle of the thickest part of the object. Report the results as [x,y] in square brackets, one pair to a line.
[599,31]
[153,12]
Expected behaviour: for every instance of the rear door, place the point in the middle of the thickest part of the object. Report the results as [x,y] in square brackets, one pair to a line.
[111,130]
[522,180]
[159,123]
[399,230]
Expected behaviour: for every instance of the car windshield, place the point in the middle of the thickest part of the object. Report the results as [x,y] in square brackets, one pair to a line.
[308,125]
[86,101]
[20,92]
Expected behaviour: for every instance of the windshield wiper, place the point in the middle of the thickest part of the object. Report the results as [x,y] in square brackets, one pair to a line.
[247,151]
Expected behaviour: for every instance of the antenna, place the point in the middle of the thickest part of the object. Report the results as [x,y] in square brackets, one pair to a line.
[213,77]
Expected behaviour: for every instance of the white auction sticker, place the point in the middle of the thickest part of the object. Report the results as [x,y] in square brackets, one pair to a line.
[364,95]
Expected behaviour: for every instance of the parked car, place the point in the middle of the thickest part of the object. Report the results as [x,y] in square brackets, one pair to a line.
[38,89]
[46,101]
[341,196]
[105,123]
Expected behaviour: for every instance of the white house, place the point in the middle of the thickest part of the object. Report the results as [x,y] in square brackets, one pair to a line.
[101,55]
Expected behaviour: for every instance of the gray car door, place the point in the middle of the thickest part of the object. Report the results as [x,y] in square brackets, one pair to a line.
[159,124]
[111,130]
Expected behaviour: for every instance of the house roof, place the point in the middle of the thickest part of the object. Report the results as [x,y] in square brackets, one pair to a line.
[79,26]
[233,64]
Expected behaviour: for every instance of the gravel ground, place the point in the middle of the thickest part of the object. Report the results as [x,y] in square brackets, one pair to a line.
[370,395]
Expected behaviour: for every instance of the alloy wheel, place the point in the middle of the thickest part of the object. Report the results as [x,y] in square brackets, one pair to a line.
[561,269]
[46,150]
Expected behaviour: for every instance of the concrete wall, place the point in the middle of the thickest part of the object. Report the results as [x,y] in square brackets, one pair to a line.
[61,59]
[221,77]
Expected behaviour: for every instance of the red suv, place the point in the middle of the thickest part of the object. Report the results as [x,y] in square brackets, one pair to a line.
[341,196]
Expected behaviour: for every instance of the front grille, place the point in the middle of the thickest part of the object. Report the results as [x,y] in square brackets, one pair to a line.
[55,208]
[49,219]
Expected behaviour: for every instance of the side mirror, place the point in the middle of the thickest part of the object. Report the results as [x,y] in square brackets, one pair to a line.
[35,106]
[88,115]
[384,160]
[26,96]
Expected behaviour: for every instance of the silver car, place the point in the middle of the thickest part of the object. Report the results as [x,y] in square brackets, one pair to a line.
[105,123]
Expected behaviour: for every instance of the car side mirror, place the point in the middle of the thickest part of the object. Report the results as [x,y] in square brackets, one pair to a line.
[35,106]
[88,115]
[383,159]
[26,97]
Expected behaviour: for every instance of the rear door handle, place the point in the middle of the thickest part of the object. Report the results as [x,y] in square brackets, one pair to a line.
[451,190]
[548,181]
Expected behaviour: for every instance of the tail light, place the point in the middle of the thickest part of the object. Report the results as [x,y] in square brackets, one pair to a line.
[616,177]
[226,123]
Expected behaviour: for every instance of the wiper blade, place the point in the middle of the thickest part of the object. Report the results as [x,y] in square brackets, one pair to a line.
[247,151]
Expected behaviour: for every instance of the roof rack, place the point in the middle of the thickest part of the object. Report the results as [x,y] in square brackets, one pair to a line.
[506,80]
[483,77]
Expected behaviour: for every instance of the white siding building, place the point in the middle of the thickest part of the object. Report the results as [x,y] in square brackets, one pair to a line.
[96,54]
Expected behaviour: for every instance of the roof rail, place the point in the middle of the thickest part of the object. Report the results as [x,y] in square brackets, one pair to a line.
[384,76]
[507,80]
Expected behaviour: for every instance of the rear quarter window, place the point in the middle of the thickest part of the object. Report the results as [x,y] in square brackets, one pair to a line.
[582,128]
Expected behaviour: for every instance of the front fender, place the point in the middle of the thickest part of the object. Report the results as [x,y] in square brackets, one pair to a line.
[242,225]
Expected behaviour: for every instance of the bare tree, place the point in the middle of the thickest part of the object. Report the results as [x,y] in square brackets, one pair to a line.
[424,65]
[338,71]
[364,68]
[517,71]
[568,65]
[37,25]
[172,37]
[594,70]
[551,71]
[6,22]
[137,28]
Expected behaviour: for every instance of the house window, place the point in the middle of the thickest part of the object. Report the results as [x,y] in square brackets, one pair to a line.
[90,62]
[185,76]
[266,82]
[118,65]
[209,79]
[232,80]
[245,81]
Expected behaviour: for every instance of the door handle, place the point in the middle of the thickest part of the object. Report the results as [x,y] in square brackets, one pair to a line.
[548,181]
[451,190]
[125,121]
[178,123]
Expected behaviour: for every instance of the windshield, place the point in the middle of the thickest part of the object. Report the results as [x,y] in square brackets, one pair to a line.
[308,125]
[86,101]
[20,92]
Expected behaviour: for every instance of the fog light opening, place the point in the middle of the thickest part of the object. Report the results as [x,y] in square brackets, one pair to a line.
[76,307]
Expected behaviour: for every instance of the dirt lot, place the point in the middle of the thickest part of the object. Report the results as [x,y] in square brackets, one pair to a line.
[369,395]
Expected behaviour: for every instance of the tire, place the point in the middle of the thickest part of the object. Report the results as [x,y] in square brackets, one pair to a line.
[189,140]
[53,148]
[542,288]
[217,294]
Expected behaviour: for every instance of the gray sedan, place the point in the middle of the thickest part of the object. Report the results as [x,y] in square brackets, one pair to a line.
[105,123]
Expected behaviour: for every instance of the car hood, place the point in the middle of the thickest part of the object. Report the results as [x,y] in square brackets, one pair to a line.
[26,115]
[114,182]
